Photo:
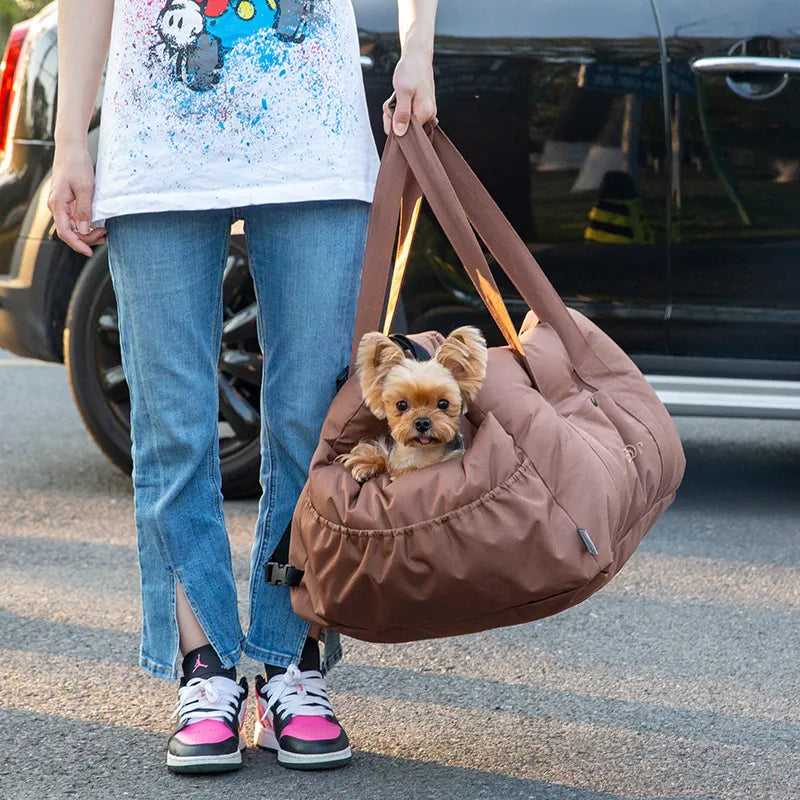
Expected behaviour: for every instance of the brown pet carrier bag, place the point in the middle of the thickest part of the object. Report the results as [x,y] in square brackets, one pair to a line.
[570,456]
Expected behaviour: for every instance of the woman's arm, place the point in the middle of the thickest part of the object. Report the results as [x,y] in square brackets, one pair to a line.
[413,76]
[84,30]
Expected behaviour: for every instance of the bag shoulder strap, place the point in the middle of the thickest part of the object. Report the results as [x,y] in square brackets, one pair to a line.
[510,252]
[426,163]
[380,239]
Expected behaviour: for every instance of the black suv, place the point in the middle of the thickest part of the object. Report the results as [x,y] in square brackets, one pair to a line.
[647,150]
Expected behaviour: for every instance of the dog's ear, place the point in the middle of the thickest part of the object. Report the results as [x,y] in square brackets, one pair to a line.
[377,354]
[464,353]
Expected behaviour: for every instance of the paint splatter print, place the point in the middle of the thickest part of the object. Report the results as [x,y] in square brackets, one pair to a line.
[195,36]
[225,103]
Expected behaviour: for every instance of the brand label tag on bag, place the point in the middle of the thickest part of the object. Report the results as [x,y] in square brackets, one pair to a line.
[587,540]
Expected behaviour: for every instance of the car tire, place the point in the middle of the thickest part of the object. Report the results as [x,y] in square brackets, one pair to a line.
[98,385]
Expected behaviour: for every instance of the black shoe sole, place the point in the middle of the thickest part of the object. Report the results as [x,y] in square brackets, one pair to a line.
[206,769]
[318,766]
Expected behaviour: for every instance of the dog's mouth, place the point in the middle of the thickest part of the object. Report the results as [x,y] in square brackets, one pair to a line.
[425,439]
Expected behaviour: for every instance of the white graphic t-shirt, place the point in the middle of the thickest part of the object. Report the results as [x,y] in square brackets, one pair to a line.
[228,103]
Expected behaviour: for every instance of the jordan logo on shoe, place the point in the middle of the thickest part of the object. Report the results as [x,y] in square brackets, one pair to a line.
[198,664]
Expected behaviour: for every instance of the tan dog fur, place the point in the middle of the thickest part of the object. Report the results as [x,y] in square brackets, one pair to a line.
[406,392]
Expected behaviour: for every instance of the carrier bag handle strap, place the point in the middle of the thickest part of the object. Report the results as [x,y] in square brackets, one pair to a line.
[380,239]
[410,204]
[484,282]
[438,190]
[381,230]
[508,249]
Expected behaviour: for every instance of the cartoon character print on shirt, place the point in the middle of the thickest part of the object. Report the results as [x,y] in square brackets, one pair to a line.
[195,36]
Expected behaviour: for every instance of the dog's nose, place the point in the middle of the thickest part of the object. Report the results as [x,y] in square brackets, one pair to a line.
[422,424]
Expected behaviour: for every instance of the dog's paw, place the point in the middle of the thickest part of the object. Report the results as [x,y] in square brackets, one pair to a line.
[365,460]
[363,472]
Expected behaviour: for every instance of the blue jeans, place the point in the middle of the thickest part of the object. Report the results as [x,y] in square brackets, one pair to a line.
[167,268]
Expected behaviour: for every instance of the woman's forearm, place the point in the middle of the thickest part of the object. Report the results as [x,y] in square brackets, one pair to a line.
[416,24]
[84,30]
[414,92]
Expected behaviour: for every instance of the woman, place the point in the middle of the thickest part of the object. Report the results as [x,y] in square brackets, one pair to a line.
[216,110]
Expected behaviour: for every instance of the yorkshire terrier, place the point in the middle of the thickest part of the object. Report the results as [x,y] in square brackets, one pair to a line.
[422,401]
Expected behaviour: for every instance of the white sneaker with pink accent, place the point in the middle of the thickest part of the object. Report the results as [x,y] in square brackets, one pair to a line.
[209,736]
[295,719]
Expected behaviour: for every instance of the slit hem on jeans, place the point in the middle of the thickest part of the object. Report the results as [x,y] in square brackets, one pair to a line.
[229,660]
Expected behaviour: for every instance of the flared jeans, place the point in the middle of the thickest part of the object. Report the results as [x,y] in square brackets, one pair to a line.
[167,268]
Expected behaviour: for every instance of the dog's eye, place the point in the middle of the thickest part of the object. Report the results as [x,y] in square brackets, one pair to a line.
[401,405]
[443,404]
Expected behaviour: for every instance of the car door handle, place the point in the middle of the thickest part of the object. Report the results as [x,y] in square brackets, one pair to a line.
[727,64]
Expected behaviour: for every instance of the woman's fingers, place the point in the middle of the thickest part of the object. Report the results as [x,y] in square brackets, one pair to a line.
[420,104]
[388,110]
[70,200]
[424,107]
[83,208]
[71,206]
[60,203]
[95,236]
[402,111]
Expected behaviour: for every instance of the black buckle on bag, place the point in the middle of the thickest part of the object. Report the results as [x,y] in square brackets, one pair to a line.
[278,574]
[341,378]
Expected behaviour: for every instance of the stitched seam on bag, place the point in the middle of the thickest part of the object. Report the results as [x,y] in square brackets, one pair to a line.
[525,466]
[658,499]
[349,420]
[662,494]
[555,499]
[589,444]
[626,382]
[612,396]
[652,435]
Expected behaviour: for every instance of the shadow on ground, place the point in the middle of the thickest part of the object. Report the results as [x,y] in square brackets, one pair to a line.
[106,761]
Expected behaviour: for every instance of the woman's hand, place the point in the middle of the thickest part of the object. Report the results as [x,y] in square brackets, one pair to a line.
[413,90]
[70,199]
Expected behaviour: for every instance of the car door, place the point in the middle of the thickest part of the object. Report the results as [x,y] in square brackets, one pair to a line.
[735,101]
[558,107]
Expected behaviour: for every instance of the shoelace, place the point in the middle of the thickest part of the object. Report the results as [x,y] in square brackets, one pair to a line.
[208,698]
[299,693]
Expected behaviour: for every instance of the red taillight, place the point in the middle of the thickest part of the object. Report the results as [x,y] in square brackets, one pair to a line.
[8,71]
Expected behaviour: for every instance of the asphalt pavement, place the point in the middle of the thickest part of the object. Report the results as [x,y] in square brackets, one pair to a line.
[678,680]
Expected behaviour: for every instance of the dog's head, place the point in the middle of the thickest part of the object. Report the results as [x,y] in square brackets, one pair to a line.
[422,400]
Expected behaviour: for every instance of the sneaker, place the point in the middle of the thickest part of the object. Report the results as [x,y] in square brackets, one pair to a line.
[211,708]
[295,720]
